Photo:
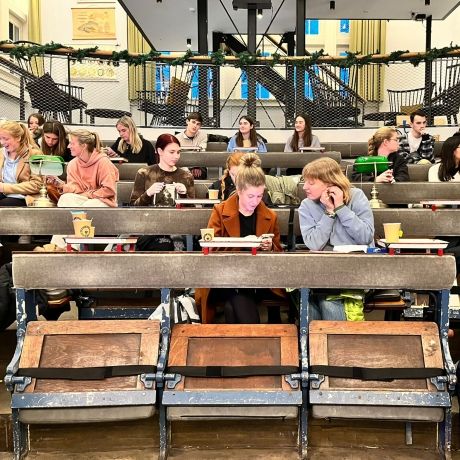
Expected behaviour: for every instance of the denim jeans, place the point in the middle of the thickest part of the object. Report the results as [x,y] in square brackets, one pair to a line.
[320,308]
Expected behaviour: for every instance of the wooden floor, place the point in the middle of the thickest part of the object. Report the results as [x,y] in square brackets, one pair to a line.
[222,440]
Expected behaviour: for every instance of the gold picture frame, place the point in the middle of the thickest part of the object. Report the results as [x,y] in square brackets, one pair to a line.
[93,24]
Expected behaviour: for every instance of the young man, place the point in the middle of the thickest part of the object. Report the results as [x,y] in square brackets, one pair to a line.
[194,137]
[417,145]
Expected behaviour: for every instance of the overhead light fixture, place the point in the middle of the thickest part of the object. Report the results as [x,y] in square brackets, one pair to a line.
[189,43]
[260,13]
[332,5]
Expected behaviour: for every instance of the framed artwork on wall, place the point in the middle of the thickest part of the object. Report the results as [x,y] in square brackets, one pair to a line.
[93,24]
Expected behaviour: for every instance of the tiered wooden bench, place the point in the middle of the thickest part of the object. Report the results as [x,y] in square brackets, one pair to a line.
[195,379]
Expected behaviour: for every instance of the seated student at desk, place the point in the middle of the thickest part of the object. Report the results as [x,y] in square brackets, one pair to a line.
[131,145]
[54,140]
[91,176]
[153,186]
[244,214]
[17,184]
[301,137]
[193,136]
[448,170]
[334,213]
[385,142]
[246,137]
[226,184]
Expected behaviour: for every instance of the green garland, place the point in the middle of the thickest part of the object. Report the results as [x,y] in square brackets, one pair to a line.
[243,59]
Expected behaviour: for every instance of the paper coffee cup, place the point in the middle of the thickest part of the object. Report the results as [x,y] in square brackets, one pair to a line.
[213,194]
[92,231]
[392,232]
[78,215]
[207,234]
[82,228]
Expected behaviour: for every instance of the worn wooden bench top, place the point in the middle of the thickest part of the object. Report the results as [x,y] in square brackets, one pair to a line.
[188,221]
[182,270]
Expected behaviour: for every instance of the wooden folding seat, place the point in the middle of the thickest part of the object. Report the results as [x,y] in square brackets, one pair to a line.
[377,370]
[83,371]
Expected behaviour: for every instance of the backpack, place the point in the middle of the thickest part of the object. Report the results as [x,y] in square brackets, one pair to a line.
[7,297]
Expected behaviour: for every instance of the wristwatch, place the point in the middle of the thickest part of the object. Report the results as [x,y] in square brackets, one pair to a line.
[330,214]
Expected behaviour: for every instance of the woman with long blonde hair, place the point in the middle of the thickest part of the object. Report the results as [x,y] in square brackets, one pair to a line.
[17,183]
[385,142]
[131,145]
[334,213]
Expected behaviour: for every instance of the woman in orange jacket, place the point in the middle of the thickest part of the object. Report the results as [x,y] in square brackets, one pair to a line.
[243,214]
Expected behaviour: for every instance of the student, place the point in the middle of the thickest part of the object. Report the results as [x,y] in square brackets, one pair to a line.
[417,145]
[151,188]
[131,145]
[246,137]
[91,176]
[244,214]
[194,137]
[35,123]
[333,214]
[54,141]
[301,137]
[385,142]
[226,184]
[17,184]
[448,169]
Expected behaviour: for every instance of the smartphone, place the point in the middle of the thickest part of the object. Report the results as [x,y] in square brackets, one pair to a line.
[267,235]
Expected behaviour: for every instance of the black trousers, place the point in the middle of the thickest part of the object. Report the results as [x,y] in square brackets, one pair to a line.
[241,305]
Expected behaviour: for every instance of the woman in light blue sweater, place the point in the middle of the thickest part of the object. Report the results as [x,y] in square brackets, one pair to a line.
[333,214]
[246,137]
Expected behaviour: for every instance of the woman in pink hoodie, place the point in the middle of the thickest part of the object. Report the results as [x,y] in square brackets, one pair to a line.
[91,176]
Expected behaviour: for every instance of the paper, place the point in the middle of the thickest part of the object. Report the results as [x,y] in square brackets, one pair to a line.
[345,248]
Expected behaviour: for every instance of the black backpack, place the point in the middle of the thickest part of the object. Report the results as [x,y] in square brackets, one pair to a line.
[7,297]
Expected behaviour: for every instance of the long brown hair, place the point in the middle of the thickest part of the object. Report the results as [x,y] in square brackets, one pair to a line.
[307,135]
[328,171]
[252,134]
[54,127]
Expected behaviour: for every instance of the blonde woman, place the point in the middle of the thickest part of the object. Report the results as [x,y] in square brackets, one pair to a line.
[333,214]
[131,145]
[385,142]
[17,184]
[243,214]
[226,184]
[91,176]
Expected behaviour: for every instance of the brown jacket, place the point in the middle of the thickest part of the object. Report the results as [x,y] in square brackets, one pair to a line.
[27,183]
[225,221]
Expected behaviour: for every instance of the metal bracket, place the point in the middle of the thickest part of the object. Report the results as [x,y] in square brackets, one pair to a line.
[293,380]
[316,380]
[21,383]
[172,380]
[147,380]
[439,382]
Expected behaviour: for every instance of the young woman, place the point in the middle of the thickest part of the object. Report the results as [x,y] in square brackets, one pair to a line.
[449,167]
[55,140]
[35,123]
[301,137]
[246,137]
[385,142]
[152,187]
[91,176]
[333,214]
[17,184]
[226,184]
[131,145]
[241,215]
[448,170]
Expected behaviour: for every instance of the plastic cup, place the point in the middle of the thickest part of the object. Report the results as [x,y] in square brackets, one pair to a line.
[78,215]
[213,194]
[82,228]
[207,234]
[392,232]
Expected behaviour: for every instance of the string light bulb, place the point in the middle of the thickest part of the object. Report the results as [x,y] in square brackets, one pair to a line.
[189,43]
[260,13]
[332,5]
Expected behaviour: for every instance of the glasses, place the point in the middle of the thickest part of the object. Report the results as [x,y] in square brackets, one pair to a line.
[394,139]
